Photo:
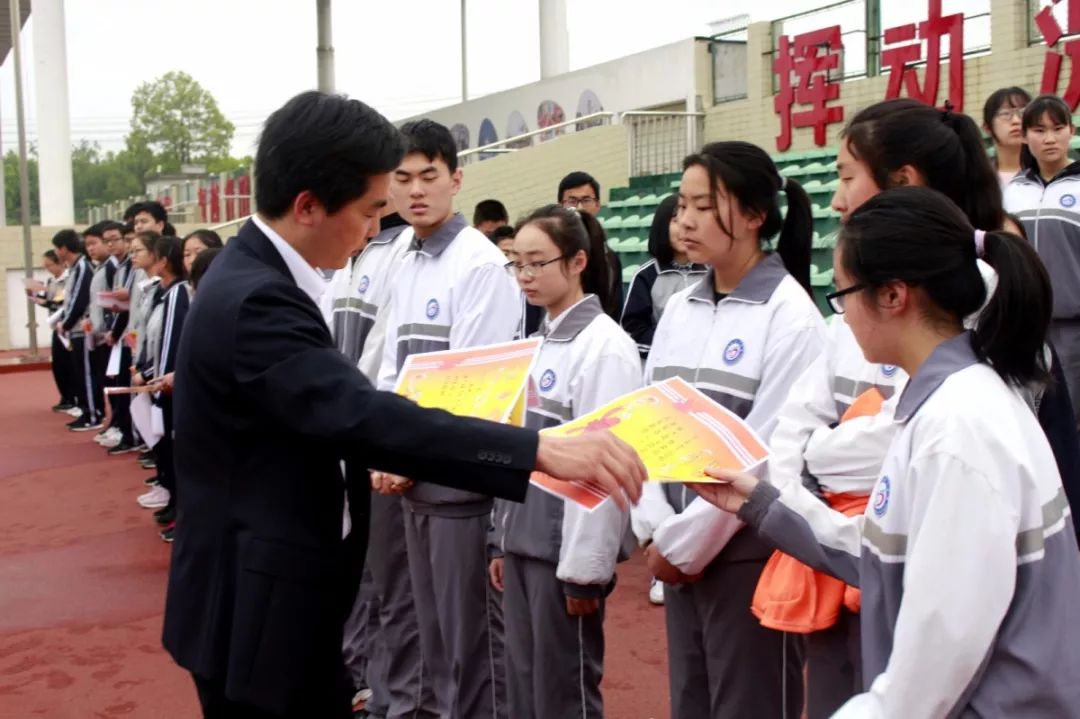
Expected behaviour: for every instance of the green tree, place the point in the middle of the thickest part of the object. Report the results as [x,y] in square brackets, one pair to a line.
[100,178]
[11,187]
[178,120]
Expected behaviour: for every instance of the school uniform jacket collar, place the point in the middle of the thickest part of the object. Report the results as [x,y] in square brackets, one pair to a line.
[948,358]
[434,245]
[571,322]
[756,288]
[1032,175]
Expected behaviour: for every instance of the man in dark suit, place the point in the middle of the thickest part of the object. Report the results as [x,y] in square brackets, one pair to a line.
[267,559]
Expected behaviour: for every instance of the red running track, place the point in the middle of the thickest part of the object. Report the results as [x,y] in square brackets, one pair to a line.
[82,585]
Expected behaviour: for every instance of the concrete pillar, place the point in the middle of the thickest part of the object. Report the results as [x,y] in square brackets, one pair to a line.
[3,191]
[554,39]
[325,50]
[57,194]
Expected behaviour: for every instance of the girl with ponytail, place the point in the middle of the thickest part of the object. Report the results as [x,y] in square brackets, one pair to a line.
[837,423]
[966,556]
[556,561]
[742,335]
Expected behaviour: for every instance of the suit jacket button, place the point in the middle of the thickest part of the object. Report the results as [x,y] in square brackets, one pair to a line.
[507,459]
[484,456]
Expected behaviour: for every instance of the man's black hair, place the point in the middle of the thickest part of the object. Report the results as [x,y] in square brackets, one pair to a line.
[506,232]
[431,140]
[96,230]
[111,225]
[326,144]
[68,240]
[131,211]
[155,209]
[577,179]
[129,228]
[490,211]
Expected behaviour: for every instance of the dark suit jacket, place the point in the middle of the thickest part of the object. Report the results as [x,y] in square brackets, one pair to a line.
[265,411]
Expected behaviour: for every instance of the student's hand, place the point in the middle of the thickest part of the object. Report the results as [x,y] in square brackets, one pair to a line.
[495,571]
[121,294]
[137,380]
[577,607]
[109,339]
[664,570]
[731,493]
[389,484]
[163,384]
[597,458]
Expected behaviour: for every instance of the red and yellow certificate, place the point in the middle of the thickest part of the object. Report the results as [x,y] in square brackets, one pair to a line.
[489,382]
[676,430]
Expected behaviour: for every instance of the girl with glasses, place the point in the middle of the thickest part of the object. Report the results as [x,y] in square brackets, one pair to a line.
[966,554]
[557,561]
[1001,120]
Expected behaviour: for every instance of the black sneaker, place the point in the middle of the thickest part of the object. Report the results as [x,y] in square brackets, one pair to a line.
[85,425]
[151,481]
[122,448]
[63,407]
[165,516]
[148,464]
[145,454]
[167,534]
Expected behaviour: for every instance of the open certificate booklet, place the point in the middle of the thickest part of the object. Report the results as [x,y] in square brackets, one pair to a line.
[676,430]
[489,382]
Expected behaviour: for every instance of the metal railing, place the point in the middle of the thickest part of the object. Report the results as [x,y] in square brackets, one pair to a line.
[660,140]
[517,142]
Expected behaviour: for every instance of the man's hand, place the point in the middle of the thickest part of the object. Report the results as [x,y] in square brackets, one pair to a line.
[163,384]
[137,380]
[495,571]
[389,484]
[576,607]
[731,493]
[597,458]
[664,570]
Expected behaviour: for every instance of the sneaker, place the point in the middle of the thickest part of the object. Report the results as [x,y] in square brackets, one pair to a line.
[152,481]
[157,497]
[121,447]
[148,464]
[165,516]
[63,407]
[146,454]
[656,592]
[74,412]
[107,434]
[84,425]
[141,447]
[362,695]
[167,533]
[111,441]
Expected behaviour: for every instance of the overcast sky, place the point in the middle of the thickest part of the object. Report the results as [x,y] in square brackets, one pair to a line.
[401,57]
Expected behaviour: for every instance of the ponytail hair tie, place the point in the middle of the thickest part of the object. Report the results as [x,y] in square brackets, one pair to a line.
[980,243]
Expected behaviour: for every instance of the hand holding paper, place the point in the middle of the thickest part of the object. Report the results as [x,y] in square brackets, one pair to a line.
[731,490]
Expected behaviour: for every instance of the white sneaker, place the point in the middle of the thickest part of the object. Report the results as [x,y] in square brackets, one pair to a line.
[156,498]
[364,695]
[656,592]
[108,434]
[75,412]
[111,440]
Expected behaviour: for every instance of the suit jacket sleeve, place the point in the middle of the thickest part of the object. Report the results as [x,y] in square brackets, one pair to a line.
[286,366]
[80,299]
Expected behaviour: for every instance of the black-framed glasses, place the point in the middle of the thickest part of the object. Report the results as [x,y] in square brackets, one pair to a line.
[575,202]
[1009,113]
[529,269]
[836,299]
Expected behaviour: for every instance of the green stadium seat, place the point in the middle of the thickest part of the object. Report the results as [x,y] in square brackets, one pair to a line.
[792,171]
[616,204]
[613,223]
[628,273]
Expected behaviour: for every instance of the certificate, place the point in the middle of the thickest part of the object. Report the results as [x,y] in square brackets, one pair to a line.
[676,430]
[487,382]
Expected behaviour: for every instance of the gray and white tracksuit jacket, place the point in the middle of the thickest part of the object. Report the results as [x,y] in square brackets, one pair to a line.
[1051,217]
[586,361]
[360,295]
[451,291]
[744,352]
[966,555]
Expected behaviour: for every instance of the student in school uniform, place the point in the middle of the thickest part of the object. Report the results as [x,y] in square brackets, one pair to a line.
[450,292]
[68,246]
[119,438]
[558,563]
[198,242]
[1044,196]
[669,271]
[382,646]
[52,299]
[90,344]
[742,335]
[1002,115]
[163,326]
[966,555]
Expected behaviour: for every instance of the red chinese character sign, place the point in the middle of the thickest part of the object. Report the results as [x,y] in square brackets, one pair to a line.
[1052,33]
[809,57]
[901,58]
